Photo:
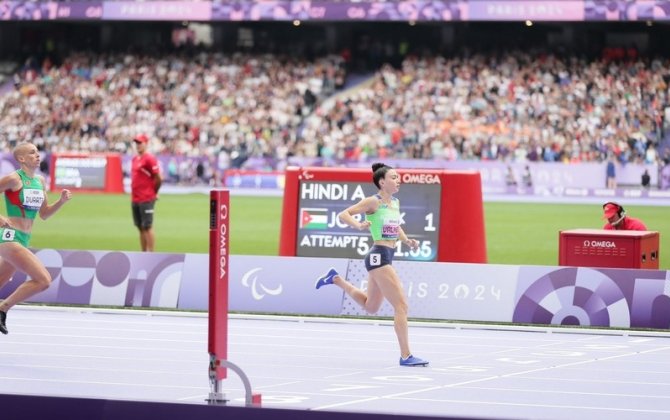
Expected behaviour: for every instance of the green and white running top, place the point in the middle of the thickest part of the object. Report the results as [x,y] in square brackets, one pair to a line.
[27,201]
[385,222]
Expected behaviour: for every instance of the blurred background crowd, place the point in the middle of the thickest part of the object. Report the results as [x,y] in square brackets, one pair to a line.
[375,94]
[514,106]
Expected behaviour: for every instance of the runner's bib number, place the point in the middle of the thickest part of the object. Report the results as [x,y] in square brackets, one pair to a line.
[8,235]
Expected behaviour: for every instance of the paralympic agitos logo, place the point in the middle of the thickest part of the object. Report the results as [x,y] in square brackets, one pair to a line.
[258,289]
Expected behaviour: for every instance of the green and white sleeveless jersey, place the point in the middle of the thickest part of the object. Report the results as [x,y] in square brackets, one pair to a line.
[385,222]
[27,201]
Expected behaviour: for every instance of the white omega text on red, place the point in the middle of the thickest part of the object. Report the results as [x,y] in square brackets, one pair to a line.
[599,244]
[420,179]
[223,254]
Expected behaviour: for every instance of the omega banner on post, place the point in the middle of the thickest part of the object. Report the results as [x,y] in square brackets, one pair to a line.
[219,217]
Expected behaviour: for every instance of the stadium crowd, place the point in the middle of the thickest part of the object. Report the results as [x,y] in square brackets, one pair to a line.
[516,106]
[245,104]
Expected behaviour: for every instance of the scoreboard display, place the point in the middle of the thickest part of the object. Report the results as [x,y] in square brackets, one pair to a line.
[321,234]
[80,172]
[94,172]
[430,200]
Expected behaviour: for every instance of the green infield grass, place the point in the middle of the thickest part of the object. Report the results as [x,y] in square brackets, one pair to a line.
[516,233]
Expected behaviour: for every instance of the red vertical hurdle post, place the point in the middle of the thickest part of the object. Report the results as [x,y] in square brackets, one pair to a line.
[219,220]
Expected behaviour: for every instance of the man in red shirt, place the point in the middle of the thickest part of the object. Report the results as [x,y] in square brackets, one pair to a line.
[145,182]
[618,220]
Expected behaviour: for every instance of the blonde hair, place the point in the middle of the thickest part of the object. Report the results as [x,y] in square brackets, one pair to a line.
[20,149]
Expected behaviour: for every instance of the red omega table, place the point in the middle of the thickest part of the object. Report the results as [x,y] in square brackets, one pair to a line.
[609,248]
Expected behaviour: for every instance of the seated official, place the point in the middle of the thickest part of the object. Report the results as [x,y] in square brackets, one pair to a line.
[618,220]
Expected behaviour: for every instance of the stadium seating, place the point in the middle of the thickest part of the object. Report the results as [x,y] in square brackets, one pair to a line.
[515,106]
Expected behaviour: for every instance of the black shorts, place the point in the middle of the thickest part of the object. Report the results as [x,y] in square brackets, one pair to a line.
[379,256]
[143,214]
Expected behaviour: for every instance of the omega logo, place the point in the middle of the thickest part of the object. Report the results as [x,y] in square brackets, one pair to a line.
[599,244]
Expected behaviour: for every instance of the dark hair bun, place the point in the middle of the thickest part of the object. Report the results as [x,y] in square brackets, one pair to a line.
[376,166]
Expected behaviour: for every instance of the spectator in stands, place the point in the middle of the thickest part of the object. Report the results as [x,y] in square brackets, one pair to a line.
[610,173]
[646,179]
[527,177]
[618,220]
[510,177]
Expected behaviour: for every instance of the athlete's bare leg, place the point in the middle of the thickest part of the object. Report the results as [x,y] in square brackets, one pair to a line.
[6,272]
[371,300]
[24,260]
[389,283]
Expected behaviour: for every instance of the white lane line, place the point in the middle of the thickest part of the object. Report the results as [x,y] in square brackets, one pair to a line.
[111,347]
[62,381]
[562,407]
[480,380]
[342,375]
[597,381]
[555,392]
[104,369]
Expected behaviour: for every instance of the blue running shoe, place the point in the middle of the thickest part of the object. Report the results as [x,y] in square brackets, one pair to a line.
[413,361]
[326,278]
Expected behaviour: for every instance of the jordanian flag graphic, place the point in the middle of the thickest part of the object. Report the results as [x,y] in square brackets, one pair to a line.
[313,218]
